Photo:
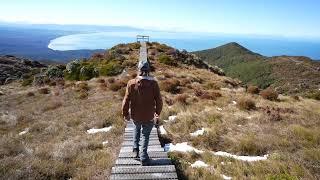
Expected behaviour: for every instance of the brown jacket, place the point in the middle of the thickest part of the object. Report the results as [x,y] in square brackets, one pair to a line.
[143,98]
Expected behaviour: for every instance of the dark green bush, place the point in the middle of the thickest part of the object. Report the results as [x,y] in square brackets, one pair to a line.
[27,81]
[165,59]
[110,69]
[87,72]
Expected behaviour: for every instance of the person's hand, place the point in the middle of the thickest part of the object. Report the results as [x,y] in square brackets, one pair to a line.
[156,119]
[127,119]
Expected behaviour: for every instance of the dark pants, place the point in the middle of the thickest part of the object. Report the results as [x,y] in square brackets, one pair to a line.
[146,129]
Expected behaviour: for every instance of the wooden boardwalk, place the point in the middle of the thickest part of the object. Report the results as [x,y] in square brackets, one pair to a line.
[128,167]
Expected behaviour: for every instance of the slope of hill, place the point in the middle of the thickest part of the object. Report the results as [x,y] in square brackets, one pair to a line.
[13,68]
[239,62]
[298,74]
[44,129]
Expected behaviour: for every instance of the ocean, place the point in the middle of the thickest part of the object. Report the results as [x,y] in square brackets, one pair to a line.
[267,46]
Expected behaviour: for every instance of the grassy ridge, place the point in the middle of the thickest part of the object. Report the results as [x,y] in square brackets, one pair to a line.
[239,62]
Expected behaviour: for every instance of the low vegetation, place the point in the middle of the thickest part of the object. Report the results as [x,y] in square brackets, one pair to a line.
[246,103]
[45,136]
[269,94]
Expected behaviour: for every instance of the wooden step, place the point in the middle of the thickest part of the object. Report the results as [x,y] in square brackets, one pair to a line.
[130,143]
[142,169]
[150,148]
[136,162]
[152,154]
[158,176]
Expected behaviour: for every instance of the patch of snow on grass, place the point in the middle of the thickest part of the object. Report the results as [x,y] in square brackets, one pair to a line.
[24,132]
[172,118]
[105,143]
[93,130]
[242,158]
[199,164]
[162,130]
[197,133]
[226,177]
[181,147]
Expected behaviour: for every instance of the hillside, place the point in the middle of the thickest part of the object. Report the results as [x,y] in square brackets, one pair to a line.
[67,123]
[239,62]
[299,75]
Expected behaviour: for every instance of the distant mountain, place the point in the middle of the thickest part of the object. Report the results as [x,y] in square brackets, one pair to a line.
[288,74]
[31,41]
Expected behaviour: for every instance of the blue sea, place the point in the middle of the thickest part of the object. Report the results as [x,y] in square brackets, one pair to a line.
[267,46]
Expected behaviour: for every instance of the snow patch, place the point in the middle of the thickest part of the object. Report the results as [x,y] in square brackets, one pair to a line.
[226,177]
[198,132]
[199,164]
[184,147]
[162,130]
[93,130]
[181,147]
[242,158]
[234,102]
[172,118]
[105,143]
[24,132]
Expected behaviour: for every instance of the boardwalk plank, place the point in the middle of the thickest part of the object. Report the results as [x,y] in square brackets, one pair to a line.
[144,176]
[132,162]
[152,154]
[143,169]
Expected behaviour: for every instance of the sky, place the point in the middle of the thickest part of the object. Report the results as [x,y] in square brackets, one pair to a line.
[288,18]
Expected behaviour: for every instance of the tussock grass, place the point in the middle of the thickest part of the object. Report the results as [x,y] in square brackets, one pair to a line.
[44,90]
[253,90]
[246,103]
[269,94]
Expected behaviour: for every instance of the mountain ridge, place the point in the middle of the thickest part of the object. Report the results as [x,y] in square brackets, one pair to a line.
[255,69]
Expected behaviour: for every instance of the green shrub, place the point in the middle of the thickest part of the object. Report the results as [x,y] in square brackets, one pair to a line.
[27,81]
[55,71]
[165,59]
[87,73]
[110,69]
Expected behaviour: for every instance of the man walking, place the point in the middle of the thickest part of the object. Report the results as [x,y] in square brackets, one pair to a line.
[144,100]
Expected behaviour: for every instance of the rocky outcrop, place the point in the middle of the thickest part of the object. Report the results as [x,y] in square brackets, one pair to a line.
[13,68]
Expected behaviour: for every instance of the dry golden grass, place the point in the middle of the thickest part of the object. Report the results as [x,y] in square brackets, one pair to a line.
[269,94]
[246,103]
[253,90]
[57,146]
[44,90]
